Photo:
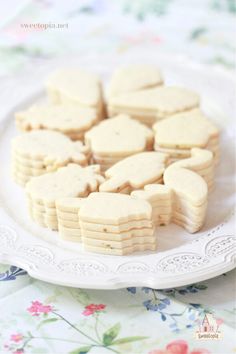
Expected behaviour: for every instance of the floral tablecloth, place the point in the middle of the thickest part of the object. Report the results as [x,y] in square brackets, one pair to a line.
[37,317]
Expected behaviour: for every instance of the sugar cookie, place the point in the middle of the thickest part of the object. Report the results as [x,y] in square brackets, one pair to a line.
[70,181]
[133,78]
[135,172]
[75,86]
[114,138]
[40,151]
[71,120]
[102,211]
[150,105]
[181,132]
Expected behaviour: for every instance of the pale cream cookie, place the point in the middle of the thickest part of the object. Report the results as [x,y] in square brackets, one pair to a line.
[70,205]
[121,252]
[151,105]
[70,181]
[182,199]
[135,171]
[190,193]
[71,120]
[113,209]
[39,208]
[160,198]
[181,132]
[26,170]
[174,153]
[117,244]
[75,86]
[133,225]
[115,137]
[185,130]
[106,217]
[67,182]
[119,235]
[62,215]
[187,185]
[70,232]
[49,147]
[201,162]
[133,78]
[26,162]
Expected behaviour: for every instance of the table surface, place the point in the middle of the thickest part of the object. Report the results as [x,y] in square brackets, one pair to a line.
[37,317]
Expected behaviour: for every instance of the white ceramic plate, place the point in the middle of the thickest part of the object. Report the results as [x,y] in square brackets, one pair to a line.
[181,258]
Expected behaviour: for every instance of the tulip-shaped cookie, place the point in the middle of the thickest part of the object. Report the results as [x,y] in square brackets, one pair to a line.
[135,172]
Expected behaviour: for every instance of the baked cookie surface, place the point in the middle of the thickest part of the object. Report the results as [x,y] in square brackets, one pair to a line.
[134,78]
[68,119]
[149,106]
[135,172]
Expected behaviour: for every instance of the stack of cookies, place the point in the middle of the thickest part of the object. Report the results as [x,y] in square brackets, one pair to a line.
[170,184]
[189,197]
[116,138]
[178,134]
[116,224]
[150,105]
[201,162]
[76,86]
[69,119]
[70,181]
[214,146]
[41,151]
[135,172]
[43,214]
[159,196]
[68,218]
